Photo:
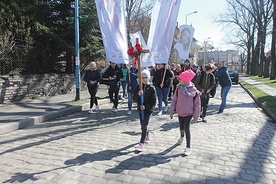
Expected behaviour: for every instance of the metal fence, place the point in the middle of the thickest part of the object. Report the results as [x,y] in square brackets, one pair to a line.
[13,60]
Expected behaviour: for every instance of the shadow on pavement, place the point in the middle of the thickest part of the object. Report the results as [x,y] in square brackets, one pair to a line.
[78,127]
[144,160]
[99,156]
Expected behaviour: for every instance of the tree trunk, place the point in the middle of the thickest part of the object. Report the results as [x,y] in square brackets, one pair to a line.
[273,44]
[248,57]
[266,67]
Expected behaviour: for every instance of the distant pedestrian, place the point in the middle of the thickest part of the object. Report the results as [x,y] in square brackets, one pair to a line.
[132,81]
[225,82]
[186,66]
[176,77]
[186,103]
[149,96]
[124,69]
[92,77]
[113,73]
[162,77]
[205,82]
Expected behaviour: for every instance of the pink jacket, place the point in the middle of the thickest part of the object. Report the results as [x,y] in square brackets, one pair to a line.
[185,105]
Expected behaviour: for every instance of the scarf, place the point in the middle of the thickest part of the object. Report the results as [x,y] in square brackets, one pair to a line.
[184,90]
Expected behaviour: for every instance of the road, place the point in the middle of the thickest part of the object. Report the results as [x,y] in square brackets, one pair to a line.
[237,146]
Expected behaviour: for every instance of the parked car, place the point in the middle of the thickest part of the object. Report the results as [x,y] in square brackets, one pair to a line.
[234,75]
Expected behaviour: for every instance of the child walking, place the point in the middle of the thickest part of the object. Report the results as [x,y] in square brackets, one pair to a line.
[149,95]
[205,82]
[186,103]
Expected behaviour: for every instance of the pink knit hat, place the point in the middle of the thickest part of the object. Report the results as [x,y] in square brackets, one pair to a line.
[187,76]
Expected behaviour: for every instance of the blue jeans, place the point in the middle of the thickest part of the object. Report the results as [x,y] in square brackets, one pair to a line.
[162,95]
[124,84]
[224,92]
[129,103]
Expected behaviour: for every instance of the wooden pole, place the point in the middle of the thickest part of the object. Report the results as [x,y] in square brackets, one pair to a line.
[139,65]
[140,78]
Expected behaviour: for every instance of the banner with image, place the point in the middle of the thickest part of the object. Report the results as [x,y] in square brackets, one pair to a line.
[183,45]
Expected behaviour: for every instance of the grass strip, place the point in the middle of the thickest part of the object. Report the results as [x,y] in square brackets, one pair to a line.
[267,81]
[263,98]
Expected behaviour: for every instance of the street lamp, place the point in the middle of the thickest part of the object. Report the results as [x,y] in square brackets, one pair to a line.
[77,45]
[189,14]
[205,42]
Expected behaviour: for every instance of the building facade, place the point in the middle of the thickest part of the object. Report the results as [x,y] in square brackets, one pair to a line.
[231,58]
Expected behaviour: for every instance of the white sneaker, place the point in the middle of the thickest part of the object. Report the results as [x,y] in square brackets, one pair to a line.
[166,109]
[180,140]
[187,151]
[129,112]
[97,108]
[90,111]
[159,113]
[115,110]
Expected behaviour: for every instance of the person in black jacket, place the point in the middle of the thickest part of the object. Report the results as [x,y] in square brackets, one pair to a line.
[113,73]
[149,96]
[92,77]
[162,77]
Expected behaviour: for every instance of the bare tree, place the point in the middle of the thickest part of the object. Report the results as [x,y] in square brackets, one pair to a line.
[138,16]
[240,26]
[261,12]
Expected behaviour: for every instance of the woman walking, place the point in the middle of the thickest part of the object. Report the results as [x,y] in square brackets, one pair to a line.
[92,77]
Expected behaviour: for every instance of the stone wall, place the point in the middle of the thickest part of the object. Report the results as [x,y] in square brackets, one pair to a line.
[18,88]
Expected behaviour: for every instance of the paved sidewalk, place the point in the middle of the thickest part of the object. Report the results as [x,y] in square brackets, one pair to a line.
[265,88]
[30,112]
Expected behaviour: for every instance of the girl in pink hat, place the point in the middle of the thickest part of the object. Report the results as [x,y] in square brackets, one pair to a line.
[186,103]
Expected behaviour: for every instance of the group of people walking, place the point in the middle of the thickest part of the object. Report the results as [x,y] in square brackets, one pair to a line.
[189,86]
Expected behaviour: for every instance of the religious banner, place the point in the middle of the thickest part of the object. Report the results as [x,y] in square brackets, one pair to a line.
[138,35]
[111,15]
[163,22]
[183,45]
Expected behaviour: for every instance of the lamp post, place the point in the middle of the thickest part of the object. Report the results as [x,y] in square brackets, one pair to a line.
[205,42]
[189,14]
[77,45]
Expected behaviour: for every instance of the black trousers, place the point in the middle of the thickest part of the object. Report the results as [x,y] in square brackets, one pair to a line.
[93,99]
[114,97]
[184,125]
[204,106]
[144,125]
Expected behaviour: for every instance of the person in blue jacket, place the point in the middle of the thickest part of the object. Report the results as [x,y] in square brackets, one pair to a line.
[132,81]
[225,82]
[92,77]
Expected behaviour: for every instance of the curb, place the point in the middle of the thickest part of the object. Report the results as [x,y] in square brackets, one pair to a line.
[12,126]
[267,111]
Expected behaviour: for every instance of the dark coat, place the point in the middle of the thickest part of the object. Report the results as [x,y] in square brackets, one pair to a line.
[149,97]
[158,77]
[132,79]
[114,83]
[92,75]
[223,76]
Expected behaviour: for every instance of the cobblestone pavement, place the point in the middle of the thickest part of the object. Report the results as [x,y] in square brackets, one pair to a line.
[237,146]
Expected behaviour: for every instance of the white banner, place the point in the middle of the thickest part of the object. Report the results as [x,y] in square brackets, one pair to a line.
[111,15]
[163,22]
[183,45]
[142,42]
